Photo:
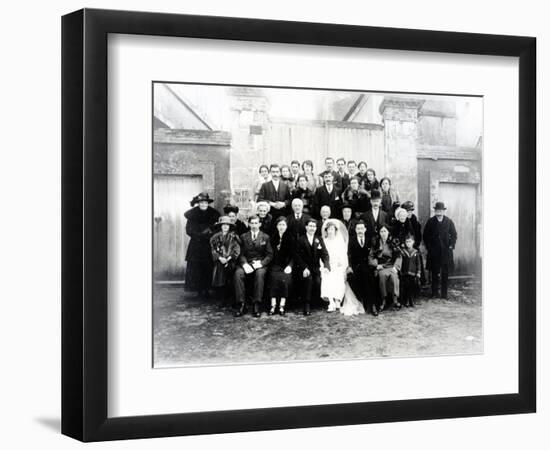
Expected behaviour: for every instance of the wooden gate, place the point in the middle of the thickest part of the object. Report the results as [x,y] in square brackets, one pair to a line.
[172,194]
[461,201]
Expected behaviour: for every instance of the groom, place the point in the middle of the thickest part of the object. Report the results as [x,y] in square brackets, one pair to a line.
[310,251]
[359,271]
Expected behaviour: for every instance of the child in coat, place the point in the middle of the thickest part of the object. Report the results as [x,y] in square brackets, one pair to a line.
[411,267]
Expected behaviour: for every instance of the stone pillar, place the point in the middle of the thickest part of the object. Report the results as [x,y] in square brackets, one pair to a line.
[400,117]
[249,109]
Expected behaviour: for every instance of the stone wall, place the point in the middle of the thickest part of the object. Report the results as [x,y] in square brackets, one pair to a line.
[195,152]
[400,116]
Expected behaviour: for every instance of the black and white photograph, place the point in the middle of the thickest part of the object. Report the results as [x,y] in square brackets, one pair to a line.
[294,225]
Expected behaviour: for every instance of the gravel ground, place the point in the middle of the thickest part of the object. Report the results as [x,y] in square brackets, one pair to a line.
[194,331]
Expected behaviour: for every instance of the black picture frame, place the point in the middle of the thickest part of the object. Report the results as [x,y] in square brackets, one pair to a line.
[84,224]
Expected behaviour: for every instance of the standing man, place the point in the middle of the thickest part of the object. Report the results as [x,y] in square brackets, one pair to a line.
[310,251]
[327,195]
[295,170]
[440,239]
[256,254]
[329,168]
[297,220]
[360,274]
[275,192]
[352,168]
[341,166]
[375,218]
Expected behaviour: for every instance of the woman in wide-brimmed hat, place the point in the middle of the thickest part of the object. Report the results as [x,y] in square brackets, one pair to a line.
[200,218]
[225,251]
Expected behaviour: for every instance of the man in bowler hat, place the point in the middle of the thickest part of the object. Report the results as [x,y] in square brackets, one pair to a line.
[440,239]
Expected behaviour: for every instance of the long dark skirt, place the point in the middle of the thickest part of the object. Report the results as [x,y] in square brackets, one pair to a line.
[198,276]
[279,282]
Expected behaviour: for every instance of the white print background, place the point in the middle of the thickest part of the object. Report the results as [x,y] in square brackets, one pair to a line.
[31,320]
[134,387]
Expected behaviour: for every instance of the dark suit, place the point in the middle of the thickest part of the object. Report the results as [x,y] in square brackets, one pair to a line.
[322,198]
[309,257]
[440,240]
[297,227]
[268,193]
[362,279]
[344,181]
[373,226]
[258,250]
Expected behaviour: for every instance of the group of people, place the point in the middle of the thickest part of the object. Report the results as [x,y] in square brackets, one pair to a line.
[341,236]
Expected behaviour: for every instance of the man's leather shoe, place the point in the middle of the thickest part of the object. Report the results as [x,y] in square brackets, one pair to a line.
[256,310]
[240,311]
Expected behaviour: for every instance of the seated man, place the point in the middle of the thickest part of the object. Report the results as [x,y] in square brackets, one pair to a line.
[310,251]
[256,254]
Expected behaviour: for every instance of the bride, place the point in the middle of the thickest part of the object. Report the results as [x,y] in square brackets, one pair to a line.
[335,290]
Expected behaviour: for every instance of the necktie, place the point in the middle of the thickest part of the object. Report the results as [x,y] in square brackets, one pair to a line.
[361,242]
[253,236]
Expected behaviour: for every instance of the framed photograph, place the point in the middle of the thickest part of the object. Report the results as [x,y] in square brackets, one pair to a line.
[273,224]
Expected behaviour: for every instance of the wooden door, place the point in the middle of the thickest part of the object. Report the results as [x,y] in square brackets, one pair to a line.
[172,194]
[461,202]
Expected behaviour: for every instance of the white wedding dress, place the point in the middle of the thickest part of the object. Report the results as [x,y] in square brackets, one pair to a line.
[333,283]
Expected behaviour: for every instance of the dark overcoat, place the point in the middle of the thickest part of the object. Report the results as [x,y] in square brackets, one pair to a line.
[373,226]
[198,275]
[358,200]
[400,230]
[297,227]
[440,240]
[323,198]
[306,196]
[268,193]
[417,229]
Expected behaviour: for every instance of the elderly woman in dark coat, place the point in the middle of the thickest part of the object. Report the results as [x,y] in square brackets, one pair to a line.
[280,270]
[266,219]
[401,228]
[200,218]
[225,251]
[386,259]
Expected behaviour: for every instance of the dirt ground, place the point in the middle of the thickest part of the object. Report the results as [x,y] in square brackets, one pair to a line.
[195,331]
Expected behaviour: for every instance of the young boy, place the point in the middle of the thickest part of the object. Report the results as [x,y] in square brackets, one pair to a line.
[410,272]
